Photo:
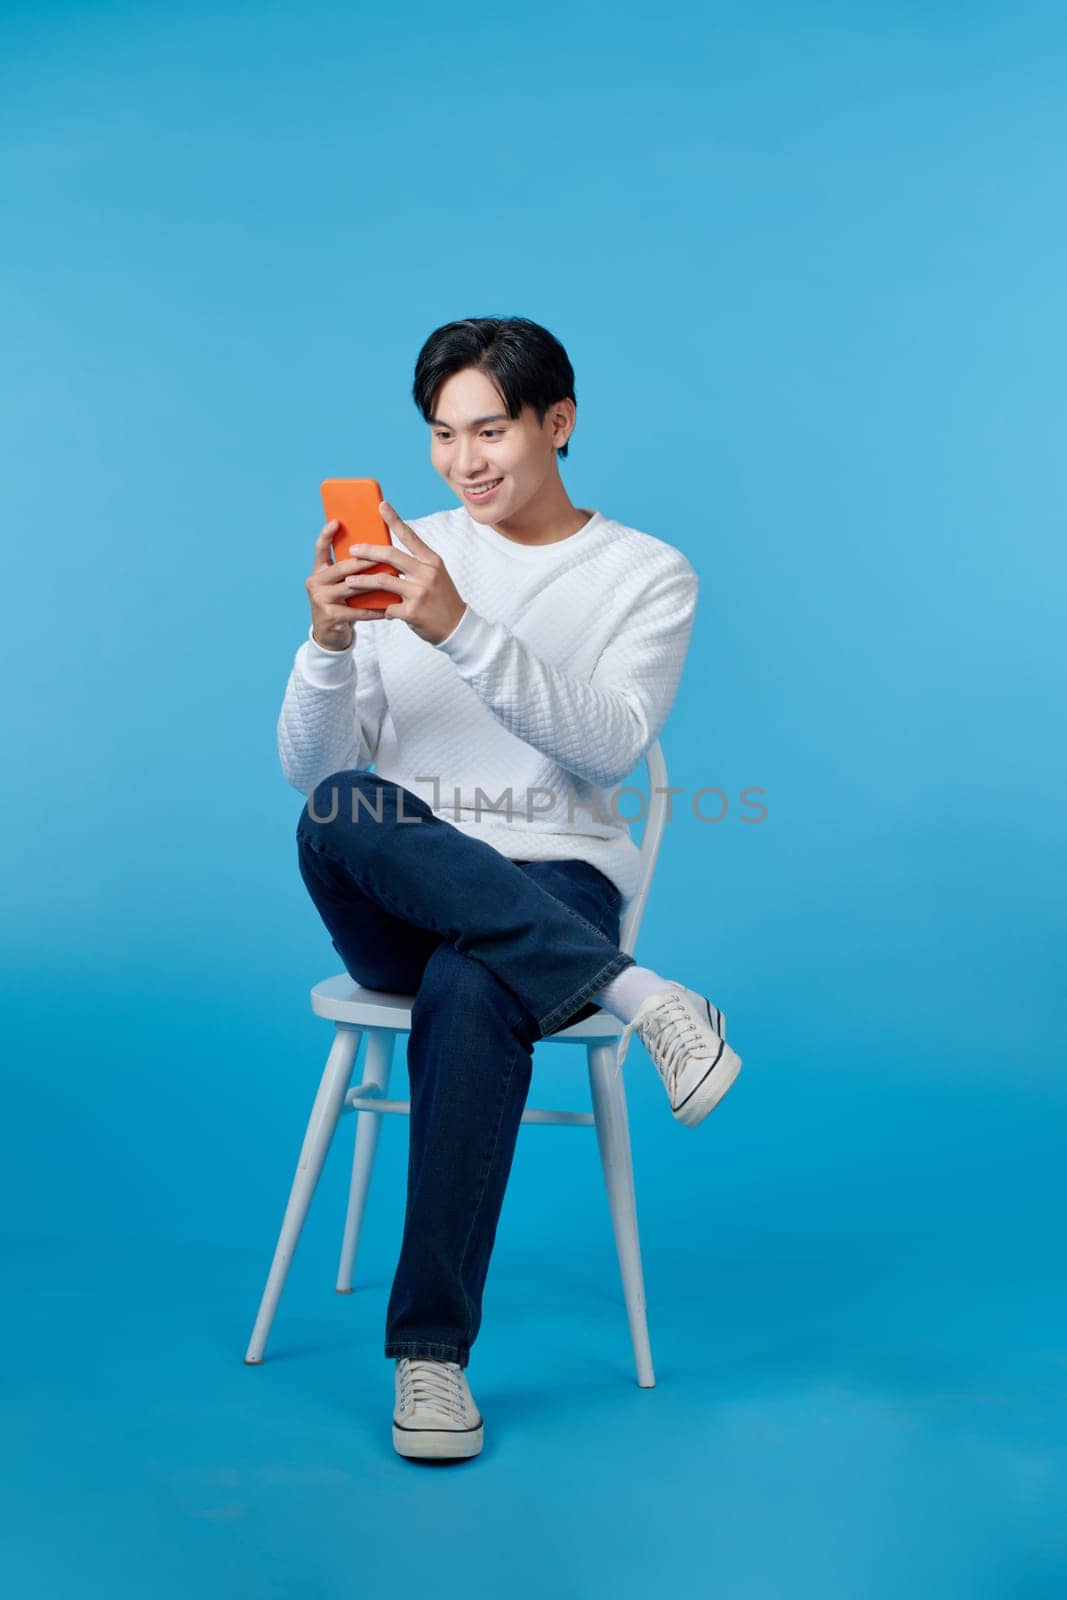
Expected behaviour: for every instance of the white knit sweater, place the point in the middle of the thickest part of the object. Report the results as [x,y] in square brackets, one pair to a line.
[544,697]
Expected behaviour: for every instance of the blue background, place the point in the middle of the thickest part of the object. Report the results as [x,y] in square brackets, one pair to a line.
[809,264]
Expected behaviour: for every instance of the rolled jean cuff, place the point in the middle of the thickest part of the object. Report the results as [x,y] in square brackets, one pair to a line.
[560,1013]
[423,1350]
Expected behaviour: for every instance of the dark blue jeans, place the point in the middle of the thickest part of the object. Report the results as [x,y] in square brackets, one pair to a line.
[498,953]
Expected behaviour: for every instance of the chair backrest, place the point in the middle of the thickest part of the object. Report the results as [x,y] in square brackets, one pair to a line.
[651,839]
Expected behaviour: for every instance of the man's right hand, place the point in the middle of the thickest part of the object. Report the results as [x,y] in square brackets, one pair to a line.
[332,619]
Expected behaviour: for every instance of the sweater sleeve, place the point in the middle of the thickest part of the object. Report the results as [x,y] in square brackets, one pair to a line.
[332,710]
[597,729]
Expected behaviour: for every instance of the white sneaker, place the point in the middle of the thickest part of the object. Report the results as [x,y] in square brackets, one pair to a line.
[435,1413]
[686,1037]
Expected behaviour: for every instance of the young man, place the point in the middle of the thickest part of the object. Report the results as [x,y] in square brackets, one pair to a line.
[531,661]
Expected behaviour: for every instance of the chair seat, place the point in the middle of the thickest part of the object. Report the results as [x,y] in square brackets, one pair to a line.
[341,999]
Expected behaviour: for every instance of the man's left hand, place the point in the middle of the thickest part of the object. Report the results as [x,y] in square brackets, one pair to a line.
[431,604]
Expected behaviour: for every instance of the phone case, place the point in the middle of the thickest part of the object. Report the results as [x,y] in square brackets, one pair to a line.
[354,502]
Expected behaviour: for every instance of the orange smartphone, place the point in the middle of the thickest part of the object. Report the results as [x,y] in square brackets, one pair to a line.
[354,502]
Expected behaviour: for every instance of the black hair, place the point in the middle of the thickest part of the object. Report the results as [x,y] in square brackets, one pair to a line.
[527,363]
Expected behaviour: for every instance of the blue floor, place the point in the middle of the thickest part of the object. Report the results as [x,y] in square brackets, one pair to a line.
[875,1408]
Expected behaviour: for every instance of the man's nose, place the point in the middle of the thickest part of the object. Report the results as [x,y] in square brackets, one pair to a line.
[468,461]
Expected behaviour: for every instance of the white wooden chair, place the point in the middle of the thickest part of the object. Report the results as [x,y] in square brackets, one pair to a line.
[354,1011]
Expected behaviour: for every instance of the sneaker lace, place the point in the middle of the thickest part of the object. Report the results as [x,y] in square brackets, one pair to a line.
[670,1035]
[431,1383]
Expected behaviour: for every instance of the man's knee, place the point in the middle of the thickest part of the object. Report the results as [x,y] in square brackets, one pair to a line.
[458,985]
[345,796]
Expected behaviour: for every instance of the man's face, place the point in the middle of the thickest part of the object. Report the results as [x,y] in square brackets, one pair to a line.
[474,441]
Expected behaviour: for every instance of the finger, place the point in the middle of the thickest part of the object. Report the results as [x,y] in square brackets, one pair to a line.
[370,580]
[346,592]
[338,613]
[323,544]
[355,613]
[389,552]
[398,526]
[341,569]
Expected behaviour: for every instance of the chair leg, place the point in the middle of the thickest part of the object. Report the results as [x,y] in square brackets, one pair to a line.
[613,1138]
[321,1124]
[377,1067]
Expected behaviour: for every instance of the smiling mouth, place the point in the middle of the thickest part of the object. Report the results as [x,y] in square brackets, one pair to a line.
[478,490]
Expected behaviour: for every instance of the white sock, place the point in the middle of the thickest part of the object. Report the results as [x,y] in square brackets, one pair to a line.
[624,994]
